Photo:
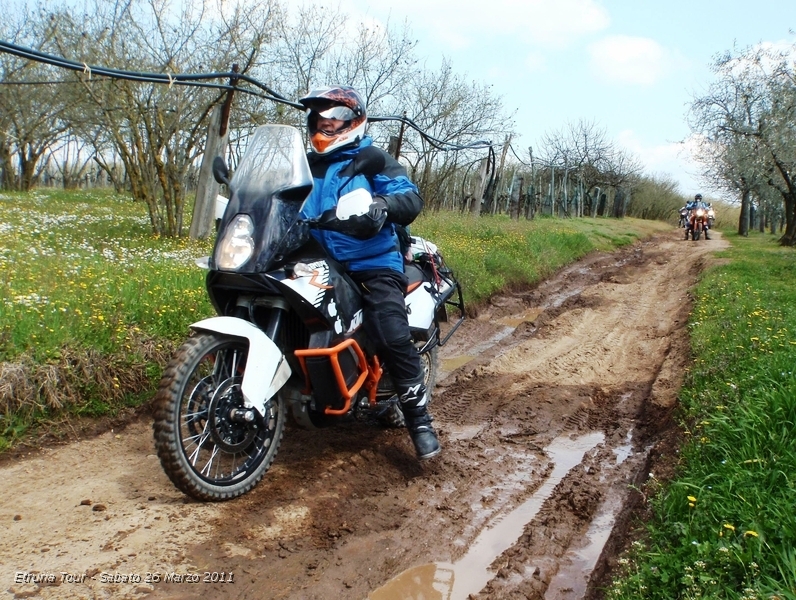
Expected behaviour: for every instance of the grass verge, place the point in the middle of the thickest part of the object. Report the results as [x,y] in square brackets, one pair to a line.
[725,526]
[93,304]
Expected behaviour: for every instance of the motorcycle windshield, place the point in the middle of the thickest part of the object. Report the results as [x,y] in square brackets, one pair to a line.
[271,182]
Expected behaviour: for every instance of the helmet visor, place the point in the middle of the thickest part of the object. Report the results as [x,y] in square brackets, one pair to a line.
[341,113]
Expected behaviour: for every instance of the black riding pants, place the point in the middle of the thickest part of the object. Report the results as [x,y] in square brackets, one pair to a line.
[386,323]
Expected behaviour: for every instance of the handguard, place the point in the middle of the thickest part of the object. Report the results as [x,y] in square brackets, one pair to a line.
[357,214]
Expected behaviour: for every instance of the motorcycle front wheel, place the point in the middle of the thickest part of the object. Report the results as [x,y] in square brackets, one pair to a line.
[205,447]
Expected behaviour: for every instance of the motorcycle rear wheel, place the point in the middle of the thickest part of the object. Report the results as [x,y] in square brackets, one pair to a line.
[204,451]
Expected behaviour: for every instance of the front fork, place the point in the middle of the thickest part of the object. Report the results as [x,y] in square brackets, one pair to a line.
[267,369]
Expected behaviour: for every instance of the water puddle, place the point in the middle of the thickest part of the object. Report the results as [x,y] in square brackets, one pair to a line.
[451,364]
[528,316]
[469,574]
[622,452]
[463,432]
[572,579]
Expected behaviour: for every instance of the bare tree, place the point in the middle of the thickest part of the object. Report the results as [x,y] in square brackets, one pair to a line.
[31,102]
[452,111]
[157,130]
[584,150]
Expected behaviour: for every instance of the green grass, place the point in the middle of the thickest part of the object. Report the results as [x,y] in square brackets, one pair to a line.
[92,304]
[494,253]
[725,527]
[84,270]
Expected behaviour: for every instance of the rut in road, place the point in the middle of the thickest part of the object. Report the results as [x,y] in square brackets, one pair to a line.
[594,353]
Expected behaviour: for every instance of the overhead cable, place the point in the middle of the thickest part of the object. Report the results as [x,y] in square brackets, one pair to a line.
[202,80]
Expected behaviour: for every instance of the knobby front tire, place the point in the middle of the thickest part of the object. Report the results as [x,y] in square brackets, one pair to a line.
[205,452]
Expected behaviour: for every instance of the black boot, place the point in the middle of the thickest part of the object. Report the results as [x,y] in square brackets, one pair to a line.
[414,405]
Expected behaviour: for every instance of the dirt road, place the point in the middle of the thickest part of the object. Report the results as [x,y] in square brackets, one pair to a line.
[550,403]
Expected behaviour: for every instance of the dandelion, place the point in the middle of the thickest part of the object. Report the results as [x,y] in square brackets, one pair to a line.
[751,533]
[692,499]
[728,526]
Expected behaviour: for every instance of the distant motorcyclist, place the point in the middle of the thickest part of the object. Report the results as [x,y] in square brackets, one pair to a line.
[336,119]
[694,206]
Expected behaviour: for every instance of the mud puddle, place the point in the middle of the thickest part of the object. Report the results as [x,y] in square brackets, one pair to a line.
[471,572]
[505,511]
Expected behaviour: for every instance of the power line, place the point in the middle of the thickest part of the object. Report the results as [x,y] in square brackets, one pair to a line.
[202,80]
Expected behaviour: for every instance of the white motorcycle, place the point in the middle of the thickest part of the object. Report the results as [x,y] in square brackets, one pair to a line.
[288,336]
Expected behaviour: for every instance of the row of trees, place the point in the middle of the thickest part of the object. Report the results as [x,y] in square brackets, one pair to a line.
[746,127]
[149,138]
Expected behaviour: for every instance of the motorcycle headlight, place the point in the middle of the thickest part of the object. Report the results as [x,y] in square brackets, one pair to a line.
[237,244]
[700,212]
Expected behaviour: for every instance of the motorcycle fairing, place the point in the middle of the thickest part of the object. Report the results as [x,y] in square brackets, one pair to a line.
[271,182]
[266,369]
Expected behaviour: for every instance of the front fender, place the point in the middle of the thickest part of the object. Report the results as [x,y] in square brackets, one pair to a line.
[266,368]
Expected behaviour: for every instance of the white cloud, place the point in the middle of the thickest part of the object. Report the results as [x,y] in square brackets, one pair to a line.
[633,60]
[546,23]
[675,159]
[667,158]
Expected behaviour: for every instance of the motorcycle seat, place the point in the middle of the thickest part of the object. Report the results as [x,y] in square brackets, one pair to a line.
[414,275]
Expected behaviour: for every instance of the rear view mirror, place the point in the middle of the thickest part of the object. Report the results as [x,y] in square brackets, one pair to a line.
[220,170]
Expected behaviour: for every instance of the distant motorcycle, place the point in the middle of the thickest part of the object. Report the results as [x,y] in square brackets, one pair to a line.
[697,223]
[683,222]
[289,335]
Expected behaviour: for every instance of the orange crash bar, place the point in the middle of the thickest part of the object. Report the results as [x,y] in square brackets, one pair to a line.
[332,354]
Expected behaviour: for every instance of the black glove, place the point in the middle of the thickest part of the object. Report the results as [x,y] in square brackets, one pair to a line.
[378,209]
[362,227]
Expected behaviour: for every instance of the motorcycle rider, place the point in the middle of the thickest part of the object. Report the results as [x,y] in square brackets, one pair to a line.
[692,205]
[705,206]
[336,120]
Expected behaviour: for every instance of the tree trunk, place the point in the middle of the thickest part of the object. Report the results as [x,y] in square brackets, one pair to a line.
[475,209]
[601,203]
[743,220]
[491,203]
[789,237]
[619,203]
[514,198]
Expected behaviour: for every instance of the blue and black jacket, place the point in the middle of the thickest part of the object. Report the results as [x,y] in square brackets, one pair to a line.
[333,177]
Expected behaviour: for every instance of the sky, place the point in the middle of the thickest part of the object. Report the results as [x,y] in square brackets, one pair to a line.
[630,66]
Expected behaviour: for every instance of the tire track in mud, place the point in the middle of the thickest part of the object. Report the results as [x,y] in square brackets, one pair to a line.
[596,350]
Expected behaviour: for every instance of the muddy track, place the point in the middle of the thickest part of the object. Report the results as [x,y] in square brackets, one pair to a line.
[551,404]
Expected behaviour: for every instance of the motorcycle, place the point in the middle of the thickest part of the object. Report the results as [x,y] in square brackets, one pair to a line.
[698,222]
[683,222]
[288,335]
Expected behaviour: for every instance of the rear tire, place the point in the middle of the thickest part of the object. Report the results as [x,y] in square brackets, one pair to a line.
[204,452]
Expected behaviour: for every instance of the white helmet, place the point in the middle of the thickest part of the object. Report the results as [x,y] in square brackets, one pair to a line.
[342,103]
